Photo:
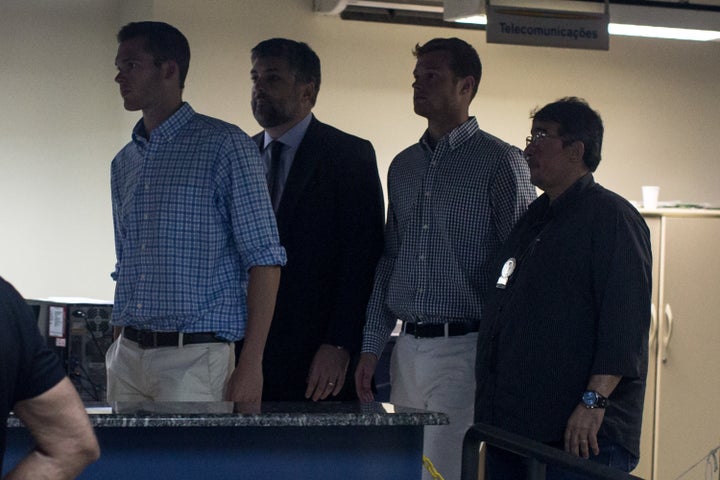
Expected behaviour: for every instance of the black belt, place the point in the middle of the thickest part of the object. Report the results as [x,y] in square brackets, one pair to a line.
[431,330]
[152,339]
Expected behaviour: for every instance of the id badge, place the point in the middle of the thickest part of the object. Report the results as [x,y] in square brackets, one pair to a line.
[507,270]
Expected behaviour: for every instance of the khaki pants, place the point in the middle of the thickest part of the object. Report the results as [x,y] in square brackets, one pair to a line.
[192,373]
[437,374]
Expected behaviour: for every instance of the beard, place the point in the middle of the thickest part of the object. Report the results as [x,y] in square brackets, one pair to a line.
[269,114]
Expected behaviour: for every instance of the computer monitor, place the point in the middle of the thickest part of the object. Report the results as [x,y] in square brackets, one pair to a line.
[79,331]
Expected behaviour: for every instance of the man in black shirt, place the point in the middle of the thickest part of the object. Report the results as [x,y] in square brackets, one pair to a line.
[34,385]
[563,346]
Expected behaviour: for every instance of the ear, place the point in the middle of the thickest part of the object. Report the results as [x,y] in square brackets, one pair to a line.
[467,85]
[309,93]
[578,151]
[170,69]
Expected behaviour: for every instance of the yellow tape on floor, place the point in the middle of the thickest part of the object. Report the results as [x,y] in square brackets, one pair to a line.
[431,468]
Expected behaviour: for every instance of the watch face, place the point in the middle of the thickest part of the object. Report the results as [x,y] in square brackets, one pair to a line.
[589,398]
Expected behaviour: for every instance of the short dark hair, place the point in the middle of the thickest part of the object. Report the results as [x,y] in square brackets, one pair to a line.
[464,60]
[578,122]
[163,41]
[302,60]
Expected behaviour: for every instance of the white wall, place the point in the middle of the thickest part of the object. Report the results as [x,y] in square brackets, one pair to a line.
[63,119]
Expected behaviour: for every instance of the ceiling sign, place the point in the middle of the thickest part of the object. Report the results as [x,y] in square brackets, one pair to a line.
[548,28]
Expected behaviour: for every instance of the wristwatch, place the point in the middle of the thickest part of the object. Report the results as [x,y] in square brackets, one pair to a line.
[592,399]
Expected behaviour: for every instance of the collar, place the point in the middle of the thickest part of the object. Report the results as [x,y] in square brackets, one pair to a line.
[167,130]
[456,137]
[292,137]
[567,199]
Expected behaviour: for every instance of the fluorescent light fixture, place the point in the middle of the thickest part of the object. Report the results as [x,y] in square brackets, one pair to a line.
[475,19]
[626,20]
[663,32]
[633,30]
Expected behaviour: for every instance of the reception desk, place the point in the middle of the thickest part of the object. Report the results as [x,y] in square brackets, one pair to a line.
[213,441]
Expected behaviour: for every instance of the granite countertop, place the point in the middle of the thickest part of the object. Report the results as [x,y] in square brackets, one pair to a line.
[272,414]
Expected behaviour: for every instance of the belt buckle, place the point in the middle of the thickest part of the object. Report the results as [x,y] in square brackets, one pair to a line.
[146,341]
[140,338]
[418,324]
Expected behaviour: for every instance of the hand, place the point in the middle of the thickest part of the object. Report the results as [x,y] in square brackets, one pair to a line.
[363,376]
[246,383]
[327,372]
[581,431]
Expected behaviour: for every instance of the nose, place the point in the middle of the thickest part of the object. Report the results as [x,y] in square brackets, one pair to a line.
[258,86]
[117,77]
[529,150]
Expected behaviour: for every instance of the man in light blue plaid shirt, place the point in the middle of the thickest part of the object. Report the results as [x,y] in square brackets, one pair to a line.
[453,199]
[198,254]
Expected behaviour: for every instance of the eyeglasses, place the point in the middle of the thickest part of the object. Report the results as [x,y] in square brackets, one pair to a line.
[536,137]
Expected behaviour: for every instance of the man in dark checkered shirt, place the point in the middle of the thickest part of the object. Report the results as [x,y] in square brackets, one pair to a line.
[453,199]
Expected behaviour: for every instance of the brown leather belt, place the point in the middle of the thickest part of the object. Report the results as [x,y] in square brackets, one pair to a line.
[432,330]
[152,339]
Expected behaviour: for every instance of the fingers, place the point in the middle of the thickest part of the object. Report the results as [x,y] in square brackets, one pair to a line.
[583,448]
[338,386]
[581,432]
[593,443]
[330,388]
[579,448]
[327,372]
[363,385]
[576,446]
[320,388]
[579,444]
[316,386]
[363,377]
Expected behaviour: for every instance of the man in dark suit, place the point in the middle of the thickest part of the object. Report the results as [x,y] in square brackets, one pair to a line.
[328,202]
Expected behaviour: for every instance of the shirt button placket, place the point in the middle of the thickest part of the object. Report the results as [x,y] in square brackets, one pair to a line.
[424,241]
[145,202]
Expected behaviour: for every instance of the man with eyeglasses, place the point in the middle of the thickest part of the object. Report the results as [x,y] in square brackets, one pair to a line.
[563,346]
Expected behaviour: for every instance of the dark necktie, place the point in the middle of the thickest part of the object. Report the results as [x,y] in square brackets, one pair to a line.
[274,175]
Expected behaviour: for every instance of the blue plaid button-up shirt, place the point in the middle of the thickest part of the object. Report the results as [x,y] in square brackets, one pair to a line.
[449,210]
[192,215]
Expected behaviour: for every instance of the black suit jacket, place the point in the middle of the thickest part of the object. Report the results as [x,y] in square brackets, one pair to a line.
[330,220]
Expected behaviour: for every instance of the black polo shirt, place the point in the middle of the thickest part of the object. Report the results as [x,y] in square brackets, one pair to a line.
[27,367]
[577,304]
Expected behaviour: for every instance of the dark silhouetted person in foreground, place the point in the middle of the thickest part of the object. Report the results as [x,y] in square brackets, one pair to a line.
[33,385]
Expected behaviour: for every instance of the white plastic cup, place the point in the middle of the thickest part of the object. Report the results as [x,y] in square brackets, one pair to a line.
[650,196]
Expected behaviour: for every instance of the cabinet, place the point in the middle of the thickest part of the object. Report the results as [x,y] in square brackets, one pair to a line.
[681,422]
